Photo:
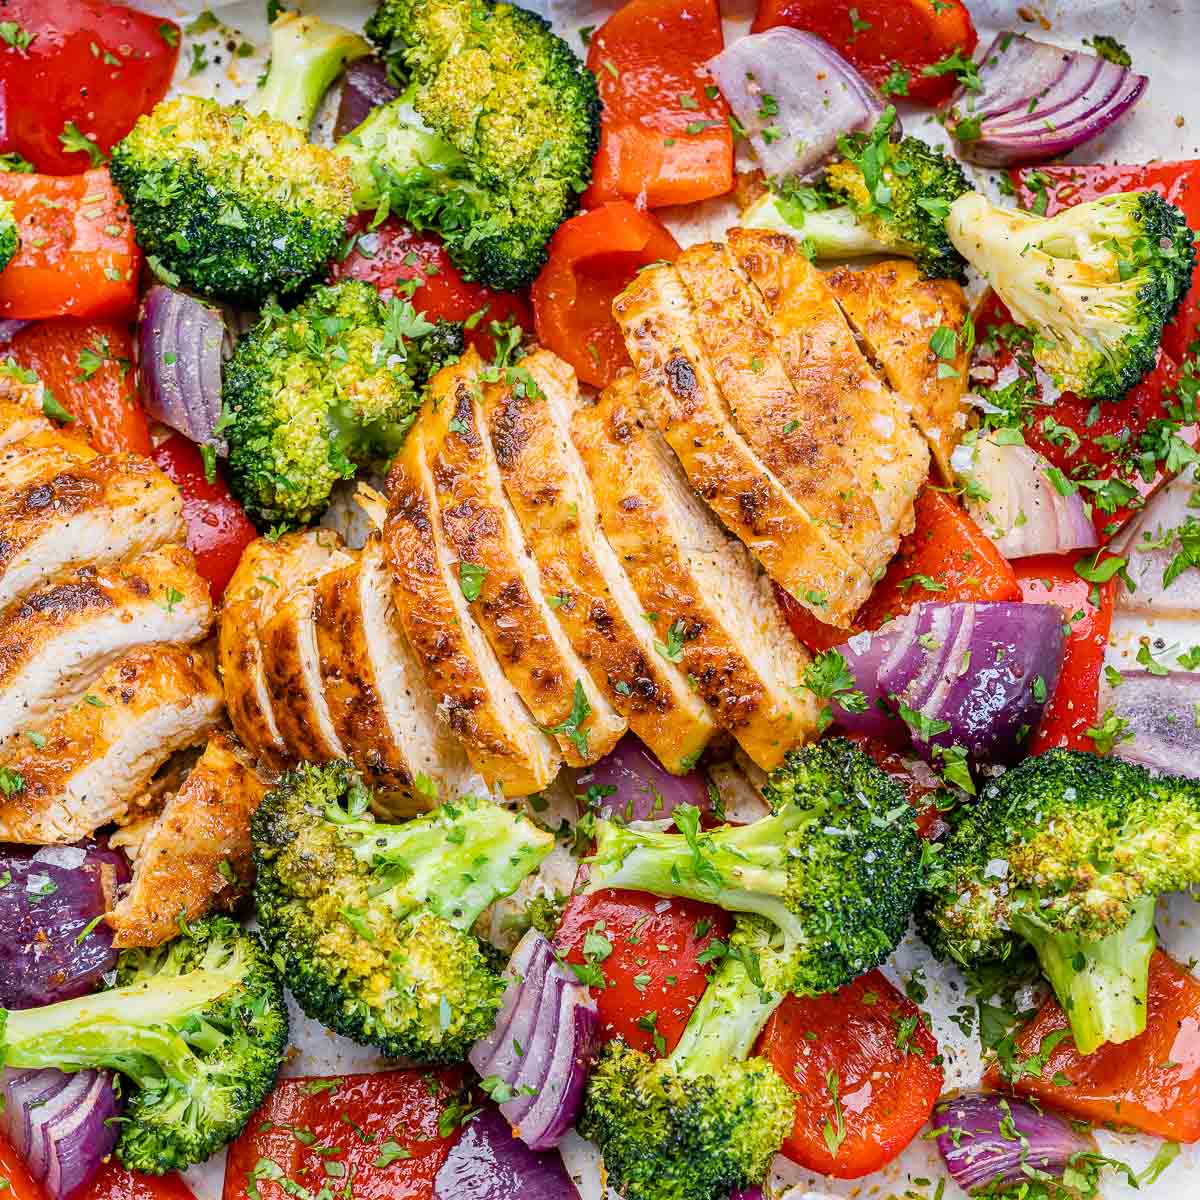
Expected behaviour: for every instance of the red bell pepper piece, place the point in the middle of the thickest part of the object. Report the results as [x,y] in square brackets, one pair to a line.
[592,257]
[18,1183]
[114,1182]
[664,134]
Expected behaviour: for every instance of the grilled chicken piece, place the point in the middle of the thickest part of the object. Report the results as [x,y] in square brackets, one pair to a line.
[97,512]
[461,670]
[713,610]
[844,444]
[96,756]
[291,664]
[596,604]
[21,412]
[40,456]
[375,691]
[196,857]
[482,530]
[266,573]
[60,637]
[682,395]
[895,312]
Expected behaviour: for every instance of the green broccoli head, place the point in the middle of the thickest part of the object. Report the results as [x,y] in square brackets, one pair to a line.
[515,119]
[10,239]
[707,1119]
[879,197]
[836,867]
[1067,852]
[372,922]
[1095,284]
[313,395]
[198,1026]
[235,202]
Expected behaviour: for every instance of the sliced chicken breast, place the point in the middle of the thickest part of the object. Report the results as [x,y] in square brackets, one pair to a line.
[511,609]
[431,594]
[381,710]
[196,857]
[713,610]
[39,456]
[97,755]
[56,641]
[21,413]
[590,592]
[683,397]
[895,312]
[97,512]
[291,663]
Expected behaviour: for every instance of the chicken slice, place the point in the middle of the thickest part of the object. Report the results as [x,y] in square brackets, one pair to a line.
[895,312]
[196,857]
[266,573]
[291,663]
[482,530]
[95,757]
[596,604]
[97,512]
[461,670]
[375,691]
[60,637]
[844,445]
[21,399]
[713,610]
[38,457]
[683,398]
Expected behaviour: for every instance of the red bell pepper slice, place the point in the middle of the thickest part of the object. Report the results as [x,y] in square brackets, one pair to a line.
[88,365]
[864,1070]
[664,133]
[15,1181]
[592,257]
[1074,707]
[114,1182]
[890,41]
[390,1132]
[78,256]
[1151,1083]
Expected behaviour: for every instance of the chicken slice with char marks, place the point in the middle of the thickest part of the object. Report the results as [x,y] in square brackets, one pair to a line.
[21,405]
[593,598]
[96,756]
[712,607]
[39,456]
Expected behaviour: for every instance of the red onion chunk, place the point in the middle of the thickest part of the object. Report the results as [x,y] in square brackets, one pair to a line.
[10,329]
[816,96]
[488,1163]
[642,788]
[993,1139]
[179,341]
[539,1054]
[1157,591]
[976,675]
[61,1125]
[365,86]
[1161,711]
[53,895]
[1039,101]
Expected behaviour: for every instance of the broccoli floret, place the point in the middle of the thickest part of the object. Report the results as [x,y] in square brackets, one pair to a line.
[493,142]
[879,197]
[312,395]
[1094,285]
[372,922]
[10,239]
[836,867]
[1067,852]
[197,1026]
[708,1118]
[234,201]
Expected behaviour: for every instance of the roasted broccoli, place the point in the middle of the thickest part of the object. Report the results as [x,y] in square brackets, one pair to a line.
[234,201]
[1067,852]
[10,239]
[708,1118]
[372,922]
[493,141]
[878,197]
[1094,285]
[836,867]
[312,395]
[198,1027]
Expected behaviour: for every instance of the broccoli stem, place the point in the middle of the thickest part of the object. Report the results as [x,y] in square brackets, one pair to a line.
[828,232]
[307,55]
[1101,983]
